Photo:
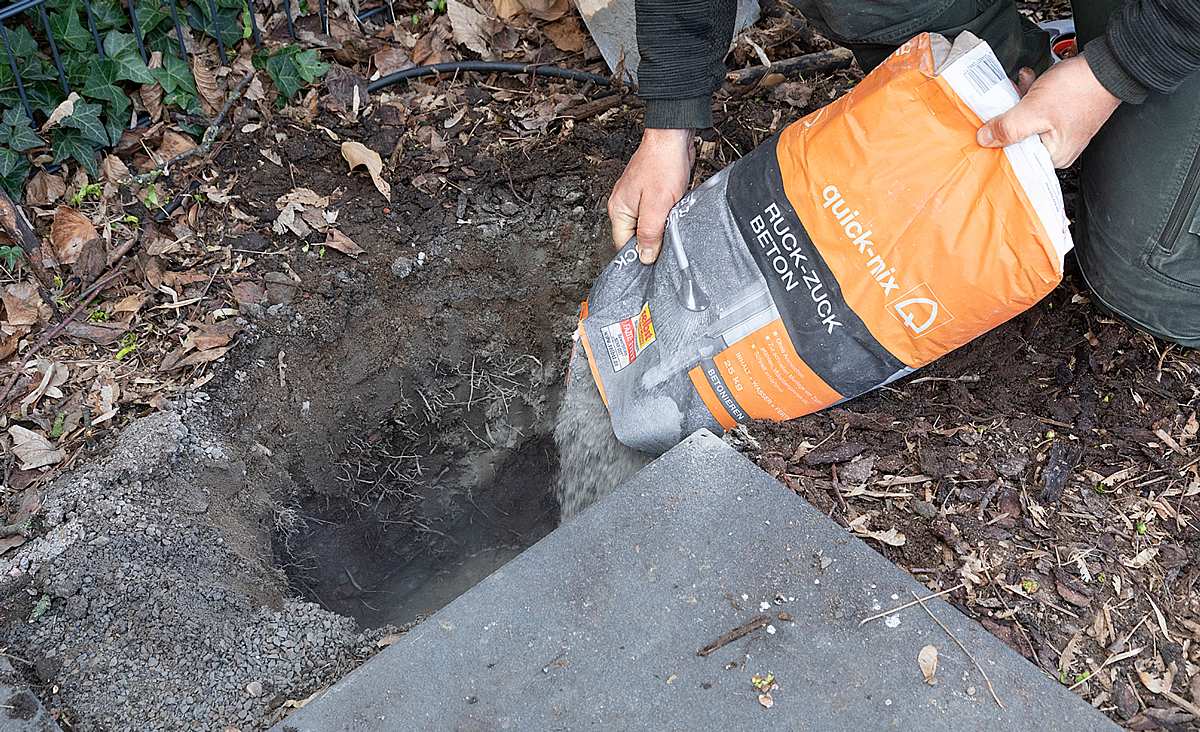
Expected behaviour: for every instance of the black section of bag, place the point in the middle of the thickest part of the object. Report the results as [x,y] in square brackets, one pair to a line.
[825,331]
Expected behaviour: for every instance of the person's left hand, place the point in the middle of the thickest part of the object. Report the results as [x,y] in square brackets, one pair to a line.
[1067,105]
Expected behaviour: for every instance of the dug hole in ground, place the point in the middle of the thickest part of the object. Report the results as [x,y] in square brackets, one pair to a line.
[379,439]
[377,444]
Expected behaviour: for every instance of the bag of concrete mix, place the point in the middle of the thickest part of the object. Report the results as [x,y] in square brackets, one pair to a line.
[860,243]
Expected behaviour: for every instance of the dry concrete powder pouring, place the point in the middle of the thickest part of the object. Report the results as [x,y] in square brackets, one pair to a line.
[860,243]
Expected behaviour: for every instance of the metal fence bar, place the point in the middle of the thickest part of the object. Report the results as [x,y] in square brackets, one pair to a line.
[137,31]
[62,75]
[18,8]
[212,7]
[178,29]
[254,24]
[287,10]
[91,19]
[12,64]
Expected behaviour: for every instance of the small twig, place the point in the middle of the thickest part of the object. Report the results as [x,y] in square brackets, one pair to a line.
[894,610]
[959,643]
[206,142]
[965,379]
[742,630]
[812,63]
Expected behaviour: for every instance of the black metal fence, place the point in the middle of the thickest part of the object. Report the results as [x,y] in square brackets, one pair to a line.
[32,15]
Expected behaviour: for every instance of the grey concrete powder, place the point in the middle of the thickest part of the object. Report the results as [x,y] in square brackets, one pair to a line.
[591,460]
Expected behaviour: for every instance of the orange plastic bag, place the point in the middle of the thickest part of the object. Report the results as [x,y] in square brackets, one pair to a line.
[862,242]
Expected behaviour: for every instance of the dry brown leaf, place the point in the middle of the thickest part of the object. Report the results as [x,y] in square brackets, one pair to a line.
[102,334]
[431,48]
[104,396]
[547,9]
[114,170]
[91,260]
[891,537]
[204,72]
[8,344]
[22,304]
[390,60]
[335,239]
[65,109]
[11,542]
[152,94]
[130,303]
[69,232]
[566,34]
[1155,684]
[302,196]
[214,335]
[357,154]
[247,293]
[1142,558]
[927,659]
[391,638]
[45,189]
[468,26]
[173,144]
[508,9]
[33,450]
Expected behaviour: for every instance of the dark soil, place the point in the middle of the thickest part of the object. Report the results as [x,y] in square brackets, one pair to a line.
[1032,466]
[413,408]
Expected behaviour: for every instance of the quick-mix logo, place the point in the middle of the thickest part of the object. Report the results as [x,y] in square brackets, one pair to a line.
[781,245]
[918,309]
[860,237]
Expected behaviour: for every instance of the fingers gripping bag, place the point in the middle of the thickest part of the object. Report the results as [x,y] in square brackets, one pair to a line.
[858,244]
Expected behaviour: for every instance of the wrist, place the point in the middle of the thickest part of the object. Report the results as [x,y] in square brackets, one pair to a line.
[668,136]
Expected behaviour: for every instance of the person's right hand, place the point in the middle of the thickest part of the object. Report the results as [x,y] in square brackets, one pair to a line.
[654,180]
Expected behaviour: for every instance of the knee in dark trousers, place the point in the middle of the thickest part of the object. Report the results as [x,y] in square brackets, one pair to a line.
[1138,234]
[874,28]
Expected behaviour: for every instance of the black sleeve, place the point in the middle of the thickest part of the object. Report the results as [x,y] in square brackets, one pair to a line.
[1150,46]
[682,44]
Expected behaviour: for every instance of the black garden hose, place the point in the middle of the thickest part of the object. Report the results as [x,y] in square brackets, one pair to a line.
[487,67]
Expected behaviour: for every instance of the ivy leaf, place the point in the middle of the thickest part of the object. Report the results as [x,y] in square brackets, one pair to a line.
[68,29]
[17,131]
[86,119]
[150,14]
[123,51]
[102,79]
[175,75]
[292,69]
[179,89]
[13,169]
[21,43]
[226,22]
[69,143]
[108,14]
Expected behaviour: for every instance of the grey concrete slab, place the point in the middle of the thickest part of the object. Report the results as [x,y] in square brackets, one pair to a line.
[599,624]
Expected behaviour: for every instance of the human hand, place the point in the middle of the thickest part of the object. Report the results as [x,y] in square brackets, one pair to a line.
[654,181]
[1066,106]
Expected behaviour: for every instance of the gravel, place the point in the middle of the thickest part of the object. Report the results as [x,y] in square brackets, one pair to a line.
[164,608]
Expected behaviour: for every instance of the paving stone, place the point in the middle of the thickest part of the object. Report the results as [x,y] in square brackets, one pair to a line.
[599,624]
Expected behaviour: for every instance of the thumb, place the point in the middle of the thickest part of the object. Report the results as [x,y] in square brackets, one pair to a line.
[649,237]
[1011,127]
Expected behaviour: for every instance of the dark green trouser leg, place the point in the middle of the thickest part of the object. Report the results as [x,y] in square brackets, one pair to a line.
[1138,234]
[874,28]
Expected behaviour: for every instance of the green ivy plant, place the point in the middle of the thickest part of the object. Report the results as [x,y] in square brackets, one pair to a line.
[292,69]
[105,82]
